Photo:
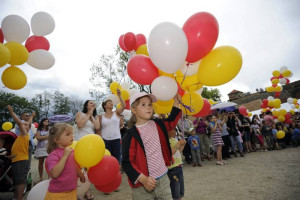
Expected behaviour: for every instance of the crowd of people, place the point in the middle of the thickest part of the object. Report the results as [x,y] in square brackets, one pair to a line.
[149,151]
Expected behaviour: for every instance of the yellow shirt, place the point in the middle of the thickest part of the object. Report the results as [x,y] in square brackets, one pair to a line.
[19,150]
[176,155]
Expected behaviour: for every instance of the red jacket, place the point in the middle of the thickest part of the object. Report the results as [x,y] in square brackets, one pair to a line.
[133,152]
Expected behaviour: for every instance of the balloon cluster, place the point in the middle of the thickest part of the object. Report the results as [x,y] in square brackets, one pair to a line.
[103,169]
[270,103]
[15,30]
[181,60]
[279,77]
[125,93]
[293,102]
[244,111]
[282,116]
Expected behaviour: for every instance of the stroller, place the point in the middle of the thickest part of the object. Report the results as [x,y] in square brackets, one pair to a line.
[6,184]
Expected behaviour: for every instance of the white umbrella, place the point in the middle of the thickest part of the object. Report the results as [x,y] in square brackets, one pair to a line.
[222,105]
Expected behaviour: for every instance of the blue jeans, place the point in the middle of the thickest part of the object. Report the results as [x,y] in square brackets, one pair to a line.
[176,182]
[114,146]
[238,141]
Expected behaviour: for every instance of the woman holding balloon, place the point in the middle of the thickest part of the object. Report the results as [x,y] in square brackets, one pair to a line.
[110,126]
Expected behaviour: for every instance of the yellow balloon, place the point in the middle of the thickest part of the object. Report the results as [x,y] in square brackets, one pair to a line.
[271,104]
[107,153]
[276,73]
[193,100]
[73,144]
[278,88]
[275,113]
[89,150]
[160,109]
[165,103]
[286,73]
[18,53]
[269,89]
[142,50]
[277,103]
[189,83]
[292,112]
[6,126]
[161,73]
[114,86]
[211,101]
[14,78]
[4,55]
[264,110]
[280,134]
[125,94]
[295,101]
[282,112]
[281,118]
[249,114]
[118,105]
[275,81]
[297,106]
[220,66]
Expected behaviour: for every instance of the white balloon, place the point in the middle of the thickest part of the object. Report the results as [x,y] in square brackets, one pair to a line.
[290,100]
[114,98]
[270,98]
[293,106]
[125,86]
[164,88]
[190,69]
[276,121]
[282,69]
[42,24]
[132,92]
[282,81]
[41,59]
[15,28]
[167,47]
[39,191]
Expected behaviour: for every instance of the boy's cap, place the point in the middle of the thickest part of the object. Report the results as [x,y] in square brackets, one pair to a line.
[137,95]
[191,129]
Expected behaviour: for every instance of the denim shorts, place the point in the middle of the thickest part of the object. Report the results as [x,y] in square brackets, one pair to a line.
[19,172]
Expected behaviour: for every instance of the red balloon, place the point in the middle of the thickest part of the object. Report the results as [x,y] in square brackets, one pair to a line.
[280,76]
[264,105]
[287,81]
[104,172]
[265,101]
[289,121]
[273,78]
[111,186]
[275,117]
[243,110]
[277,94]
[140,40]
[202,31]
[141,70]
[121,43]
[287,116]
[205,109]
[129,41]
[127,105]
[37,42]
[36,124]
[1,36]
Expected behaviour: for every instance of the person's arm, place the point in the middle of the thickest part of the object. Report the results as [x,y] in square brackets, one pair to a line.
[80,175]
[31,117]
[123,105]
[96,122]
[81,119]
[59,167]
[17,120]
[39,137]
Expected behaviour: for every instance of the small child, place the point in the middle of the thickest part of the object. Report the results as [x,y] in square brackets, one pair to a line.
[175,172]
[260,138]
[19,155]
[194,143]
[61,164]
[274,138]
[146,149]
[3,151]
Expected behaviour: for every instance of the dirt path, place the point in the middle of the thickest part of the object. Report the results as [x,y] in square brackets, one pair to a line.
[260,175]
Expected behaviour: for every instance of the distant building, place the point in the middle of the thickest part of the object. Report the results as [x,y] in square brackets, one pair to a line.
[253,101]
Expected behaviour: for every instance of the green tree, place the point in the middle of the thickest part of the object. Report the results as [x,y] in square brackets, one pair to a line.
[43,101]
[111,68]
[213,94]
[61,104]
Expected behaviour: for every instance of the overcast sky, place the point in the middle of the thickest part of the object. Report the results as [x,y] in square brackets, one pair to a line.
[267,33]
